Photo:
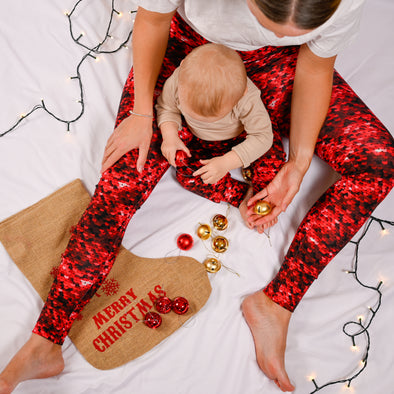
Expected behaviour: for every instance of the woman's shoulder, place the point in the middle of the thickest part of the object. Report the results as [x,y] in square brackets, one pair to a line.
[339,31]
[163,6]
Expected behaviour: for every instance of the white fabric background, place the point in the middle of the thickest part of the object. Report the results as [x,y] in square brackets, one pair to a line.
[214,353]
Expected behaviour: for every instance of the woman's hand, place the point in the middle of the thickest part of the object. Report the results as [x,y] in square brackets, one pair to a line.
[279,193]
[133,132]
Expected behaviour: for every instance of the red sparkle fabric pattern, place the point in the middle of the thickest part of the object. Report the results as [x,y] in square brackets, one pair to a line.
[352,141]
[226,189]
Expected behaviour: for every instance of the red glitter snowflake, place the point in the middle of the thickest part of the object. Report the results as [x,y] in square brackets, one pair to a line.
[110,287]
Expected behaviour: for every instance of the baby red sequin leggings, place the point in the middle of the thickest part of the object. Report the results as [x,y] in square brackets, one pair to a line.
[227,189]
[352,141]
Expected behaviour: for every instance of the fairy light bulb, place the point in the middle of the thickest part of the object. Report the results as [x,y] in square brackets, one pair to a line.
[347,388]
[80,36]
[384,232]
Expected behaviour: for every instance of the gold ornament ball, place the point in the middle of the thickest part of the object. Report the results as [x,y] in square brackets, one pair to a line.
[220,222]
[262,208]
[212,265]
[219,244]
[247,174]
[204,231]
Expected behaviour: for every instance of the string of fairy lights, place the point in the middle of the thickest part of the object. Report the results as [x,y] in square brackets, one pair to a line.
[352,329]
[91,53]
[359,328]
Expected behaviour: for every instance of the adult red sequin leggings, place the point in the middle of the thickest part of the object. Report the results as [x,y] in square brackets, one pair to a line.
[352,141]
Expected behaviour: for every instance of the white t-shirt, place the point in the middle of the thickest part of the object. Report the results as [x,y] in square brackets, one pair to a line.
[230,22]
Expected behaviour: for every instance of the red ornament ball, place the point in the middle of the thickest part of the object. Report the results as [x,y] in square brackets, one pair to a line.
[180,305]
[181,158]
[163,305]
[185,241]
[152,320]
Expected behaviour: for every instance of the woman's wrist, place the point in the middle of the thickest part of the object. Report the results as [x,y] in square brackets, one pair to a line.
[143,107]
[141,115]
[301,162]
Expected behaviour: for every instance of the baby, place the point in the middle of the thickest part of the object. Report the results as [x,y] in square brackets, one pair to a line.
[227,125]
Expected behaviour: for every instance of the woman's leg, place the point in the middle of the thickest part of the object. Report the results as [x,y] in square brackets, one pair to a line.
[121,191]
[361,150]
[96,238]
[226,189]
[356,145]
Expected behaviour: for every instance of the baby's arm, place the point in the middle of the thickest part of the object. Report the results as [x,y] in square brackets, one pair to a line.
[257,124]
[171,142]
[169,119]
[216,168]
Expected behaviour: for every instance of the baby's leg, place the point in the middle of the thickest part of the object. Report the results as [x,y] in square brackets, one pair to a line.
[227,189]
[262,171]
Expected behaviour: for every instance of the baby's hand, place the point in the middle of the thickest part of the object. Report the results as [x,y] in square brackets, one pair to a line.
[213,169]
[170,146]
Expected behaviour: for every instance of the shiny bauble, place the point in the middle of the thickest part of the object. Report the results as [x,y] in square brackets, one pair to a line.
[212,265]
[181,158]
[180,305]
[219,244]
[152,320]
[262,208]
[220,222]
[163,305]
[185,241]
[204,231]
[247,174]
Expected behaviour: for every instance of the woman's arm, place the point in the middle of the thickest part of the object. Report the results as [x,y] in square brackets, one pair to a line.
[309,106]
[150,38]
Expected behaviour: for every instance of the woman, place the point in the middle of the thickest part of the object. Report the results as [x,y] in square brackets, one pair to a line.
[289,50]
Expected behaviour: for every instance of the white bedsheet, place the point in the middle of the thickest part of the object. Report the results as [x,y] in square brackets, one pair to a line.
[214,352]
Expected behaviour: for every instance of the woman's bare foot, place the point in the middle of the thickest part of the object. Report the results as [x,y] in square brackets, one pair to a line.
[268,323]
[38,358]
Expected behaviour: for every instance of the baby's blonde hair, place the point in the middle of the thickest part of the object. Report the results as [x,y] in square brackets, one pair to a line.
[211,76]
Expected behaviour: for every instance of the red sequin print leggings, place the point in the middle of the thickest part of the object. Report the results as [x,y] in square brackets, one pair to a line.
[227,189]
[352,141]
